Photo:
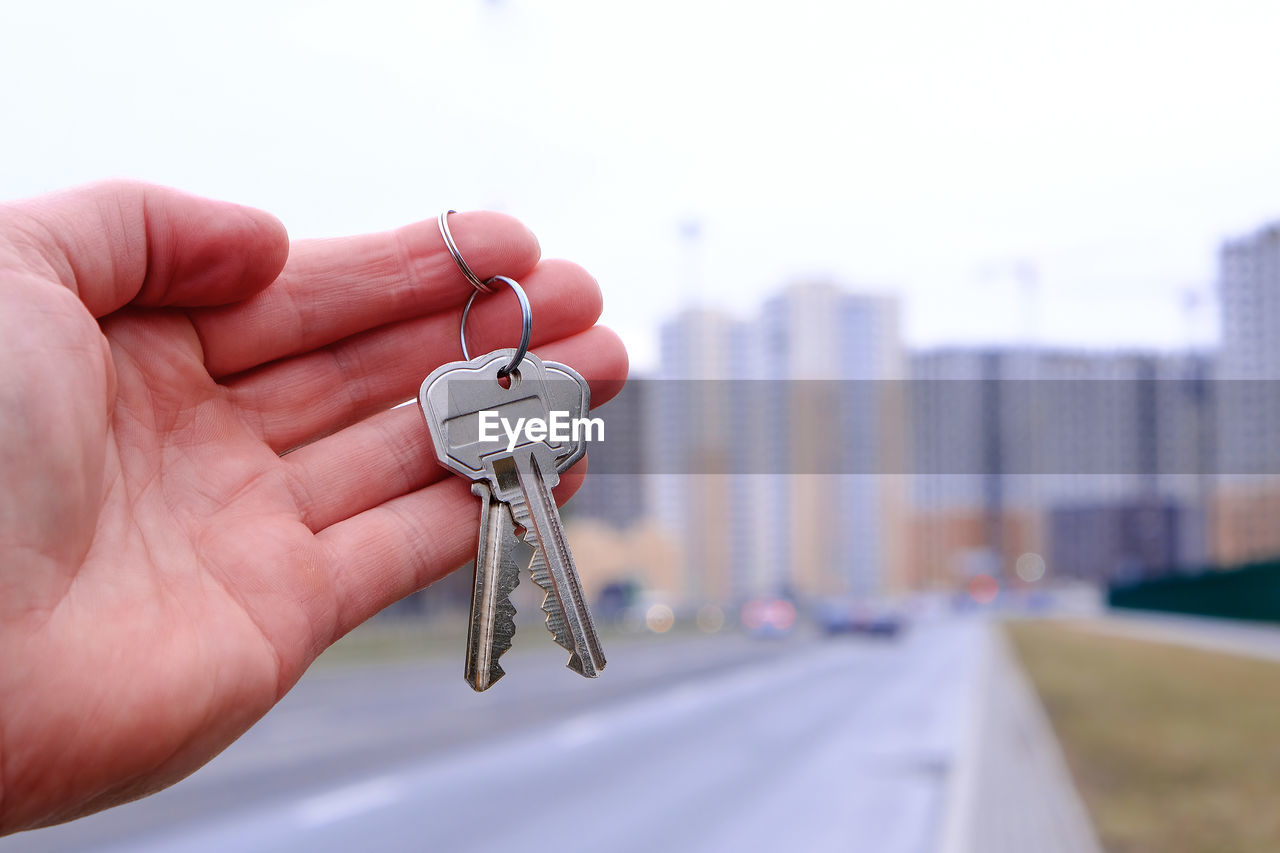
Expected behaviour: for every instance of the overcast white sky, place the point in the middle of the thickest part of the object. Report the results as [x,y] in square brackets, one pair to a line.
[925,148]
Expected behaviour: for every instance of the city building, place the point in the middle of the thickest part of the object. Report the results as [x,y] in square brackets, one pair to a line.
[1247,502]
[1249,295]
[1004,441]
[1124,542]
[838,358]
[774,436]
[690,434]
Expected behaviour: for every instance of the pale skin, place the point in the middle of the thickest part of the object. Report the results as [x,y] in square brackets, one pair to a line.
[202,481]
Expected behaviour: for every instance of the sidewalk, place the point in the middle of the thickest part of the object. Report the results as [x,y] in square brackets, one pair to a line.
[1251,639]
[1012,792]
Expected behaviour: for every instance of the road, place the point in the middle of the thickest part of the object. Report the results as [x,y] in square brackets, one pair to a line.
[684,743]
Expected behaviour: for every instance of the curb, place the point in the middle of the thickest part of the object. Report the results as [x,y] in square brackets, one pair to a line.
[1012,790]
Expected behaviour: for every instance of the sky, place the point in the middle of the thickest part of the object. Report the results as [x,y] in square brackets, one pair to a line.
[1016,171]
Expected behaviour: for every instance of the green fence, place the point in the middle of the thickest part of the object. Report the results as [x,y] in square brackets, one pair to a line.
[1251,592]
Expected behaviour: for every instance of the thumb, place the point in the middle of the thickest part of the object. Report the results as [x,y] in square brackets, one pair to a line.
[125,242]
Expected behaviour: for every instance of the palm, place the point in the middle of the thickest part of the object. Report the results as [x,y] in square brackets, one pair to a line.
[174,568]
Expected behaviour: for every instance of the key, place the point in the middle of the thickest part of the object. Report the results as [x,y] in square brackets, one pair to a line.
[569,393]
[523,479]
[534,508]
[500,555]
[454,426]
[497,573]
[520,482]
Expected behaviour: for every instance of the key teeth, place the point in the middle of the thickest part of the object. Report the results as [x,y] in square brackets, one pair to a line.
[561,636]
[504,623]
[504,629]
[483,674]
[576,664]
[550,605]
[556,621]
[554,617]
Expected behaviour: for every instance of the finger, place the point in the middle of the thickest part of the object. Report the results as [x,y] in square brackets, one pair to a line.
[302,398]
[120,242]
[332,289]
[385,553]
[391,454]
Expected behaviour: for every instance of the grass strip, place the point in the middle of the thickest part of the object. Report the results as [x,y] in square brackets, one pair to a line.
[1175,750]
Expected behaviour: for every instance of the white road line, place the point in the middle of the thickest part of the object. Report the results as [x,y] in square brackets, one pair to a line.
[333,806]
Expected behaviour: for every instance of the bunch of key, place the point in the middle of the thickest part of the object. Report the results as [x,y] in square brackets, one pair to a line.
[519,522]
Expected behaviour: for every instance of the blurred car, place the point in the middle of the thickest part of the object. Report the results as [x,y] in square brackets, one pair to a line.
[872,619]
[768,617]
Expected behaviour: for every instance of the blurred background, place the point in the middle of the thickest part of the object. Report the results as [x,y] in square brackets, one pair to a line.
[941,508]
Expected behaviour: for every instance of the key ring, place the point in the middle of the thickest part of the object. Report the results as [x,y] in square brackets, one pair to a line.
[480,286]
[526,313]
[526,324]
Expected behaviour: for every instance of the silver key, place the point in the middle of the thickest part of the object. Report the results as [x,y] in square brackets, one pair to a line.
[451,398]
[534,508]
[518,483]
[569,393]
[501,554]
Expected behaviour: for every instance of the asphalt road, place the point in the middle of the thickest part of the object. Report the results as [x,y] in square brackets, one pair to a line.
[684,743]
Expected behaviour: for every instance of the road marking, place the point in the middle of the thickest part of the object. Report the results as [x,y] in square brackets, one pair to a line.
[580,730]
[657,709]
[333,806]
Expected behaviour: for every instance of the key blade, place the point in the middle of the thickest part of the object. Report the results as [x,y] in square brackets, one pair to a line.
[550,602]
[568,617]
[569,393]
[500,555]
[557,623]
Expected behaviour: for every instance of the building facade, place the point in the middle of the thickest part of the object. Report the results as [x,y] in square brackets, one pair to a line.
[781,492]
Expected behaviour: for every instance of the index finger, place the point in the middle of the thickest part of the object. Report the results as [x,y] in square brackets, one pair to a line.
[334,288]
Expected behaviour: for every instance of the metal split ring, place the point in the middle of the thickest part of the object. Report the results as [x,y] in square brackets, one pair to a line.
[480,286]
[526,324]
[526,313]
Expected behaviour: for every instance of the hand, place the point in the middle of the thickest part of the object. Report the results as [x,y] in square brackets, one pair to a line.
[167,569]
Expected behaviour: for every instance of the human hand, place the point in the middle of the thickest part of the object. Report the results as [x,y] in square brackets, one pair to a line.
[166,574]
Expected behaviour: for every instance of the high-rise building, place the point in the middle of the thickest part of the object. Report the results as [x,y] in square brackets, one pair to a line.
[785,434]
[1002,438]
[1248,392]
[1122,541]
[840,356]
[689,429]
[1249,292]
